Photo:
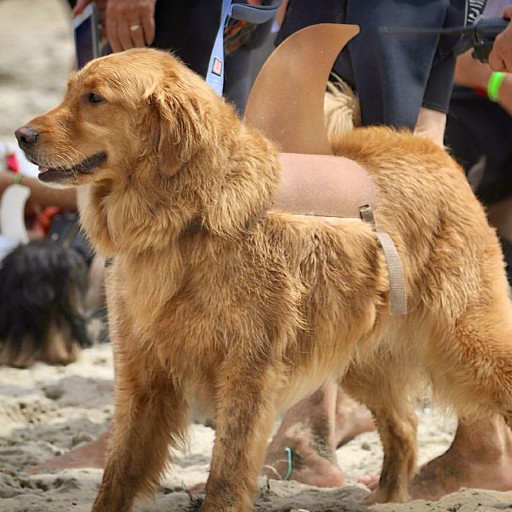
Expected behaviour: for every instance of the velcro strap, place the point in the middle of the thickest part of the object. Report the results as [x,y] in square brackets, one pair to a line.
[397,292]
[398,296]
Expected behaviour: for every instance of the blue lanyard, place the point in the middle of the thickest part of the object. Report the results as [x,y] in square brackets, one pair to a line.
[244,12]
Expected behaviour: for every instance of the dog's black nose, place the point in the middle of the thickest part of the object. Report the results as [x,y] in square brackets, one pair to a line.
[27,136]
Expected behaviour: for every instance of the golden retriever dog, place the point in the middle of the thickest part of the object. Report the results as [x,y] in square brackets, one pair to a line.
[219,303]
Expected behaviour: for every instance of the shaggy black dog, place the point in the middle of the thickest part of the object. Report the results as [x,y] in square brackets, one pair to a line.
[42,294]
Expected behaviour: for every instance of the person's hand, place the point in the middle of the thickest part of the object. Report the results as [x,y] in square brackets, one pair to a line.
[500,58]
[471,72]
[130,23]
[126,23]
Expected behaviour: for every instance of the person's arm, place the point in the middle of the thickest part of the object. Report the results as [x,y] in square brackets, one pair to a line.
[476,75]
[41,194]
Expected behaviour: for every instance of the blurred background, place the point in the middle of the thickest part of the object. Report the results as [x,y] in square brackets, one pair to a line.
[36,57]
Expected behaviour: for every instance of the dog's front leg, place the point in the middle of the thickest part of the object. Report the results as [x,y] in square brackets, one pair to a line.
[397,431]
[244,419]
[383,388]
[150,414]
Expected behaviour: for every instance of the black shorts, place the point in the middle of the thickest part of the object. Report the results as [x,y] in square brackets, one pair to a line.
[394,74]
[478,135]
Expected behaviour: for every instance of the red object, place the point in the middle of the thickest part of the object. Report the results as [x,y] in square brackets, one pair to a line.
[44,218]
[480,92]
[12,162]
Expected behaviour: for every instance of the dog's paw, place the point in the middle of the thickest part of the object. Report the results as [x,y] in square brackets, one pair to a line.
[381,495]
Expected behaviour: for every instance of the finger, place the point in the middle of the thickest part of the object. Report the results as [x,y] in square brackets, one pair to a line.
[148,26]
[113,35]
[496,62]
[500,58]
[129,24]
[125,35]
[80,6]
[507,12]
[137,34]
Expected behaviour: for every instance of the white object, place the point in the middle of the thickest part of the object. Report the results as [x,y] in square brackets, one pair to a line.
[26,168]
[12,213]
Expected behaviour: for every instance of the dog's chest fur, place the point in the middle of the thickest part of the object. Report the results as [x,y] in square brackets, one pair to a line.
[289,292]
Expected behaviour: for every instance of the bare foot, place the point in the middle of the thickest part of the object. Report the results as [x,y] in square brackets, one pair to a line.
[299,457]
[90,455]
[479,457]
[372,482]
[304,447]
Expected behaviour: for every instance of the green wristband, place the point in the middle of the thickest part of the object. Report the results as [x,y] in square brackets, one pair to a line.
[494,85]
[16,179]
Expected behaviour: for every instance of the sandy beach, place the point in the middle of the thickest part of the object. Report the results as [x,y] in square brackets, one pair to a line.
[46,411]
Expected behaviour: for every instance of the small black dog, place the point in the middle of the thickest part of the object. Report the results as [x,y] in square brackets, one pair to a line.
[43,286]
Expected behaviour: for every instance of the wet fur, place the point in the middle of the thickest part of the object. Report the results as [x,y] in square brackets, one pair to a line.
[256,309]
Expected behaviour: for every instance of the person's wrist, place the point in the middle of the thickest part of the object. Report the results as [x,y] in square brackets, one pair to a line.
[494,85]
[505,94]
[5,178]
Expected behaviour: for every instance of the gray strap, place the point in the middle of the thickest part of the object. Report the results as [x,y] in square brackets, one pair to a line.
[398,295]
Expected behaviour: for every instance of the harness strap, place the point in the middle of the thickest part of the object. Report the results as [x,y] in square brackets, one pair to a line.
[248,13]
[398,295]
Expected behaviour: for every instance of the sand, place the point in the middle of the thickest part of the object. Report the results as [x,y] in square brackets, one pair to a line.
[46,411]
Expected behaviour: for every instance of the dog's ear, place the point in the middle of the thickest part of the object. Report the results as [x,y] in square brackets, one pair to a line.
[181,127]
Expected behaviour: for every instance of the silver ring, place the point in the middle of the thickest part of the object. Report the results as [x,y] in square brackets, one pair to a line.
[135,27]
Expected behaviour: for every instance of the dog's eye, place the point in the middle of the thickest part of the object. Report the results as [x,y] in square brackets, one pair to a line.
[92,97]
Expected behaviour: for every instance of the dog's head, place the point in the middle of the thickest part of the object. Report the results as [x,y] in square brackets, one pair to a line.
[155,147]
[118,112]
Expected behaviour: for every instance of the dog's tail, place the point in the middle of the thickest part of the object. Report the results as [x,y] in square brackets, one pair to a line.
[341,107]
[42,296]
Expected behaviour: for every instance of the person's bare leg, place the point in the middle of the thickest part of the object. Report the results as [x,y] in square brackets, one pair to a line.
[479,457]
[352,419]
[431,124]
[303,448]
[89,455]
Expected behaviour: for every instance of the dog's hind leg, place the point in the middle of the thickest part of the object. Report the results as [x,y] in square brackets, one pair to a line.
[383,389]
[244,419]
[150,414]
[470,363]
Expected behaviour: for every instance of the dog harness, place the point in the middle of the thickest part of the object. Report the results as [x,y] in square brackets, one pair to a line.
[335,187]
[250,14]
[287,104]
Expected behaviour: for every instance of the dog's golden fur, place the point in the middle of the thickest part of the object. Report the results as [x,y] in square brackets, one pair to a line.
[248,313]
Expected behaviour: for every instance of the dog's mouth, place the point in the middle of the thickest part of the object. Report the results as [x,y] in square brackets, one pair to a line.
[55,174]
